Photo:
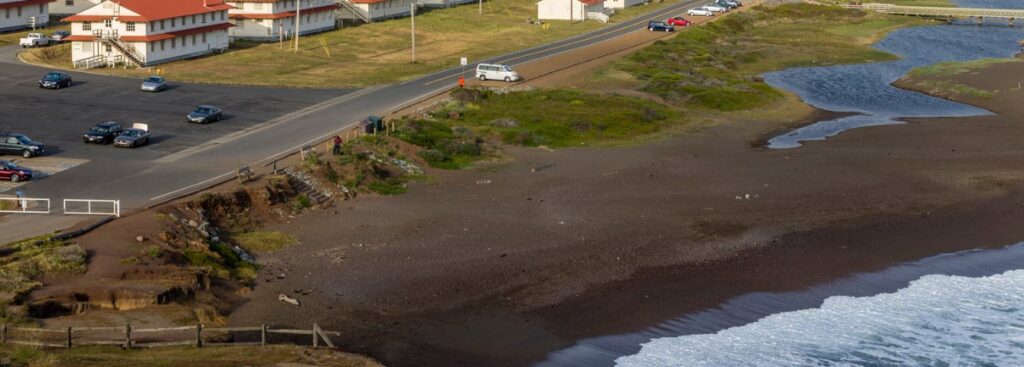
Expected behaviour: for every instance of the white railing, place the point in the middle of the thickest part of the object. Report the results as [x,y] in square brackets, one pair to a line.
[598,16]
[113,209]
[24,205]
[91,62]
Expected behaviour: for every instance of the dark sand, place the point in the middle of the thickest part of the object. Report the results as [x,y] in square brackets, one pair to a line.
[585,242]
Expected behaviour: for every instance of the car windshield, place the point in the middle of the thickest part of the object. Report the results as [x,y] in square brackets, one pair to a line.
[132,133]
[153,79]
[52,76]
[8,164]
[506,68]
[202,110]
[23,139]
[99,130]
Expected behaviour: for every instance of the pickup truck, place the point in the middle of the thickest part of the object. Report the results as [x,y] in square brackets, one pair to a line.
[34,39]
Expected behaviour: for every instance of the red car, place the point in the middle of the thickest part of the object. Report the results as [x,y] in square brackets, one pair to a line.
[11,171]
[678,21]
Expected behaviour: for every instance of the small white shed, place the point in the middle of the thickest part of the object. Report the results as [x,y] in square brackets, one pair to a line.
[569,9]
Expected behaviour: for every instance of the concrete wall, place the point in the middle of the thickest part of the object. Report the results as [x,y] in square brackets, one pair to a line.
[18,17]
[560,9]
[63,8]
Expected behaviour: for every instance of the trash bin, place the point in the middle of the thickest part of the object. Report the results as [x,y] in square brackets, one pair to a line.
[373,124]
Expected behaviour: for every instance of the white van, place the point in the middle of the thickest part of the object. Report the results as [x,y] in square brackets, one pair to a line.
[496,72]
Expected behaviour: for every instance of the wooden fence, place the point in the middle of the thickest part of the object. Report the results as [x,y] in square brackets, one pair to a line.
[129,337]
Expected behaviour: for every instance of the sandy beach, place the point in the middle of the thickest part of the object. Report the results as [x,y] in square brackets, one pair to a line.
[506,262]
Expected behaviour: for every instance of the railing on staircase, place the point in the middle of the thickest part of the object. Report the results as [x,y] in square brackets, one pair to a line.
[598,16]
[91,62]
[110,37]
[365,17]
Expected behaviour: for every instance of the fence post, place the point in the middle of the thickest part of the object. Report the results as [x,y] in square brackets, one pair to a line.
[316,342]
[128,335]
[263,334]
[69,337]
[199,335]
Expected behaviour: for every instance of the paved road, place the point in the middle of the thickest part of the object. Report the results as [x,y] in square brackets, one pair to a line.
[154,174]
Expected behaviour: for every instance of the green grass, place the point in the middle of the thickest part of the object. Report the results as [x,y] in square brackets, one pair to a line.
[947,69]
[263,242]
[226,356]
[12,38]
[387,188]
[949,88]
[716,66]
[553,118]
[375,53]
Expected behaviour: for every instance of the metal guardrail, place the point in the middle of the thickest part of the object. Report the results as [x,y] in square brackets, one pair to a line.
[129,337]
[25,205]
[115,207]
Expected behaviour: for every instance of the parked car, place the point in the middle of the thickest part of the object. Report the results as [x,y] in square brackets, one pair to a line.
[55,80]
[660,26]
[714,8]
[700,12]
[678,21]
[33,40]
[728,5]
[19,144]
[136,136]
[496,72]
[154,84]
[205,114]
[103,133]
[59,36]
[14,172]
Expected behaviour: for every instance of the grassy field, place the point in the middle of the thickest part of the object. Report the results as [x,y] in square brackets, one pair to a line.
[181,356]
[717,66]
[375,53]
[946,69]
[263,242]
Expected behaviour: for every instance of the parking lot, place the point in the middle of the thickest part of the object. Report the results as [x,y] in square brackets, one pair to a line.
[58,118]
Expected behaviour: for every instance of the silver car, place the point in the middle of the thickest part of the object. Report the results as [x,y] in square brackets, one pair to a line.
[137,136]
[154,84]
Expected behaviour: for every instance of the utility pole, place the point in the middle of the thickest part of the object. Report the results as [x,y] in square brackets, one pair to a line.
[480,6]
[570,11]
[298,9]
[412,11]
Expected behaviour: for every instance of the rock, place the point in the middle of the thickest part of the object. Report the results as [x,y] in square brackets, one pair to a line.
[483,182]
[140,238]
[505,122]
[280,276]
[284,298]
[454,115]
[193,224]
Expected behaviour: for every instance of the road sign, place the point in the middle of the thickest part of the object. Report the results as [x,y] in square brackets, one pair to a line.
[463,61]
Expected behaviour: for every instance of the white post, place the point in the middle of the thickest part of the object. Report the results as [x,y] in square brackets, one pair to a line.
[412,11]
[298,9]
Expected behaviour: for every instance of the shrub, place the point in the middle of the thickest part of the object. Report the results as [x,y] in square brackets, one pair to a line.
[390,187]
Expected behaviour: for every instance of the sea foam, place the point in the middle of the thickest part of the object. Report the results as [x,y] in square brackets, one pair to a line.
[938,320]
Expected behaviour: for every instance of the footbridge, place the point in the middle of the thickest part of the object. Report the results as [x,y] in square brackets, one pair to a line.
[937,12]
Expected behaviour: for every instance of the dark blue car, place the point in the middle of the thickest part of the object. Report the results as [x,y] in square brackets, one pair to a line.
[660,26]
[55,80]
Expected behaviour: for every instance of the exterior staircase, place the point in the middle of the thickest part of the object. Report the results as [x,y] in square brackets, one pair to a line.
[307,186]
[355,10]
[111,38]
[598,16]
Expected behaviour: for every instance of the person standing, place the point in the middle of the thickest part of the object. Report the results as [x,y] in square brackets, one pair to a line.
[337,145]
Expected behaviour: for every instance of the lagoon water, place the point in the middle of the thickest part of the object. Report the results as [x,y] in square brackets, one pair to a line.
[865,89]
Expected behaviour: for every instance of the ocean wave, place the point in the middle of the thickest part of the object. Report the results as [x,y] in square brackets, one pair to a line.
[938,320]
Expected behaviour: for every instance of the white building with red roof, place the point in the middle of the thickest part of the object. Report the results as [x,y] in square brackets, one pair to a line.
[266,20]
[64,8]
[374,10]
[571,9]
[18,14]
[147,32]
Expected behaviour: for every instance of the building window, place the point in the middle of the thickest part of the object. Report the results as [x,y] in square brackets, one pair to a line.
[86,26]
[222,15]
[69,2]
[161,24]
[7,12]
[204,18]
[152,47]
[108,47]
[174,22]
[40,8]
[204,37]
[193,19]
[162,45]
[130,26]
[106,23]
[19,11]
[240,24]
[193,40]
[174,42]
